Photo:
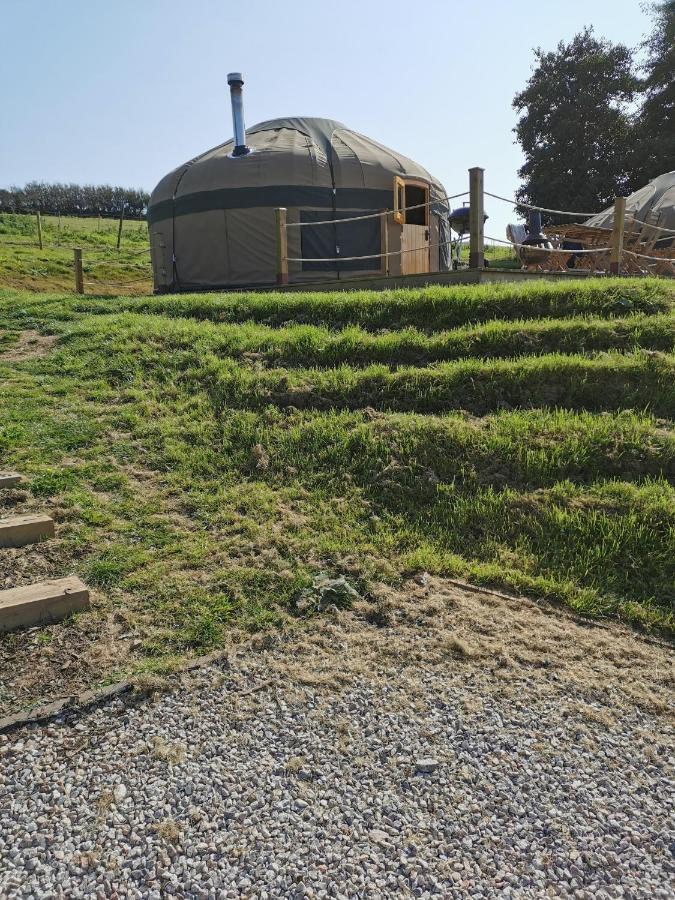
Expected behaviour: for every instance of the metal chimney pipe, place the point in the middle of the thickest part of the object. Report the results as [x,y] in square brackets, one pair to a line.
[236,83]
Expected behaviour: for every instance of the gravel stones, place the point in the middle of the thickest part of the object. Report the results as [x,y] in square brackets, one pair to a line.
[378,837]
[537,801]
[426,766]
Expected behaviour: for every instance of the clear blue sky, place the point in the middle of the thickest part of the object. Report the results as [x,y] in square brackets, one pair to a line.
[124,91]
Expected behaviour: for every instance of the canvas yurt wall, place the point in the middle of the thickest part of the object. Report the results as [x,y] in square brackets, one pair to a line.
[212,220]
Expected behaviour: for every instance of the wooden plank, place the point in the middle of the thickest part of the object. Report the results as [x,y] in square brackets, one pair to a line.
[9,479]
[617,236]
[43,603]
[77,264]
[281,245]
[119,229]
[17,531]
[384,242]
[463,276]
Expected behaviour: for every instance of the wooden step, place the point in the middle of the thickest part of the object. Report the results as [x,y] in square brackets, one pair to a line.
[43,603]
[10,479]
[16,531]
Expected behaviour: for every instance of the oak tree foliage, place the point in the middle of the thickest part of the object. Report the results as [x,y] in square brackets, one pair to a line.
[656,119]
[595,122]
[575,125]
[75,200]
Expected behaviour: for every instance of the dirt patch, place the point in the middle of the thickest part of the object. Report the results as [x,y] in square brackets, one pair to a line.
[498,646]
[45,663]
[56,661]
[495,646]
[42,664]
[30,345]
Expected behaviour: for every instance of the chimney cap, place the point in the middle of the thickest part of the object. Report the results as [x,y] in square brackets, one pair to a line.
[235,78]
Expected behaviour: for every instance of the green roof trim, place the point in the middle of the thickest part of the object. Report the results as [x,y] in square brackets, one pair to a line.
[279,195]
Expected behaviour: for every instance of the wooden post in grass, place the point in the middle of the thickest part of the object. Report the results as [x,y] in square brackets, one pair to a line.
[476,219]
[282,246]
[119,229]
[39,228]
[616,242]
[79,277]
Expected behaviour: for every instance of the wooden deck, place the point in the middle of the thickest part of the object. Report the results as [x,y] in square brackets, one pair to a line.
[389,282]
[462,276]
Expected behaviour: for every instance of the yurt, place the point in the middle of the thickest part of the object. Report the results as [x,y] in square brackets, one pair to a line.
[652,207]
[213,220]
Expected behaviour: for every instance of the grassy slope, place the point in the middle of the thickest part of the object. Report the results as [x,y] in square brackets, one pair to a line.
[200,483]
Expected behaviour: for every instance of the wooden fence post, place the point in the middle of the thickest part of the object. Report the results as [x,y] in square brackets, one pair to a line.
[616,242]
[385,240]
[39,228]
[282,246]
[79,278]
[119,229]
[476,219]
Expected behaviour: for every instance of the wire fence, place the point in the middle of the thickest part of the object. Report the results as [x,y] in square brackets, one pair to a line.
[117,284]
[102,263]
[548,249]
[628,216]
[96,268]
[47,231]
[50,246]
[102,271]
[540,251]
[557,212]
[380,214]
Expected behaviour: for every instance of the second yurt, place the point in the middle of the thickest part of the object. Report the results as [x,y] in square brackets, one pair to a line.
[650,211]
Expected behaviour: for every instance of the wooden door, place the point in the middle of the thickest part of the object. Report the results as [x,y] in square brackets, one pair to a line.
[414,238]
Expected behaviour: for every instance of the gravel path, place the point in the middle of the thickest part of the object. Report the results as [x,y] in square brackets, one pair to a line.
[345,777]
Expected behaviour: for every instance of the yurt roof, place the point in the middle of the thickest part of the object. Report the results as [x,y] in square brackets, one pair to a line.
[296,150]
[654,204]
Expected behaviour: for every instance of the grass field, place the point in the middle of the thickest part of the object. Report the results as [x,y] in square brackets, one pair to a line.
[106,270]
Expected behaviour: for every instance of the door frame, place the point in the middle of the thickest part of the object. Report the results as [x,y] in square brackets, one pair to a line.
[400,203]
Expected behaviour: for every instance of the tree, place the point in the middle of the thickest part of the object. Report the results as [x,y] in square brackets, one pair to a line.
[75,200]
[656,121]
[575,126]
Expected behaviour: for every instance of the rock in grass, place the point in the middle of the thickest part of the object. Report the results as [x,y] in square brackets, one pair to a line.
[325,592]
